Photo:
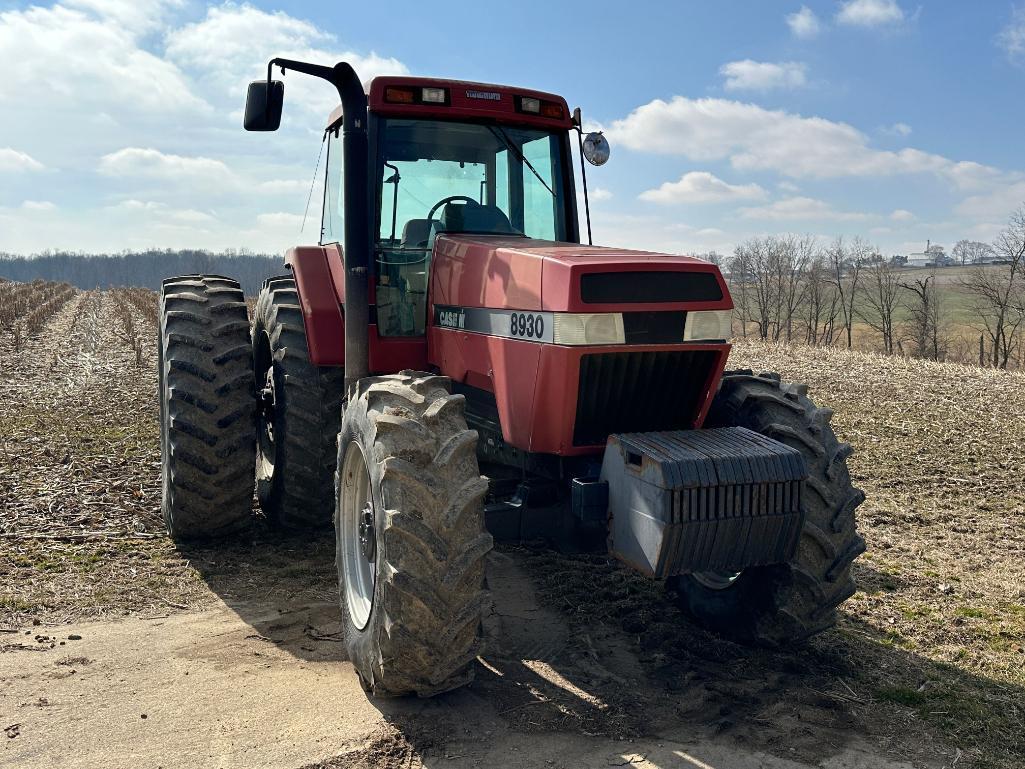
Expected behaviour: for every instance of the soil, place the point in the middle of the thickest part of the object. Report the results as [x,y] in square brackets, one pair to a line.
[119,649]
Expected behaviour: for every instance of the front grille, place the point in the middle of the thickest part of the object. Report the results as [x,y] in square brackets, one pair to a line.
[625,392]
[654,327]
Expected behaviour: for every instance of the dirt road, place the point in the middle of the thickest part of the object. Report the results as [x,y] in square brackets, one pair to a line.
[262,685]
[232,653]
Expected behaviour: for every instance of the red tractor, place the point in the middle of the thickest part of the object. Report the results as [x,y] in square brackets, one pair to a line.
[451,322]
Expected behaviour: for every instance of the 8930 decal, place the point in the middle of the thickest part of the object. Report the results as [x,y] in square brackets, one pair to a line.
[527,325]
[510,324]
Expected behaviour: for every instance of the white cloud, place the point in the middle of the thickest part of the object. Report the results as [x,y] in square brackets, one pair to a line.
[285,186]
[150,163]
[804,23]
[1012,37]
[648,231]
[702,187]
[995,204]
[287,228]
[231,47]
[898,129]
[161,211]
[38,205]
[753,138]
[788,186]
[139,16]
[280,219]
[599,193]
[749,75]
[12,160]
[869,13]
[190,216]
[902,215]
[801,209]
[66,63]
[137,205]
[118,70]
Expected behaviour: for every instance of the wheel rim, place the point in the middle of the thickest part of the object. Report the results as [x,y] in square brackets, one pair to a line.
[358,520]
[716,580]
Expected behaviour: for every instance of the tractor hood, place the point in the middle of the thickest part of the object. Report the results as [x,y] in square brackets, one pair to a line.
[528,274]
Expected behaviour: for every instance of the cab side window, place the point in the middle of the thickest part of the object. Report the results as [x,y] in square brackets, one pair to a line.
[540,201]
[334,203]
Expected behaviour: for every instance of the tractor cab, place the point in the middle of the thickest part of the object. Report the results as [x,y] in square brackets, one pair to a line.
[451,158]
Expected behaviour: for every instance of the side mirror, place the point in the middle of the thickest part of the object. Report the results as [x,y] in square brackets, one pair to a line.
[263,105]
[595,148]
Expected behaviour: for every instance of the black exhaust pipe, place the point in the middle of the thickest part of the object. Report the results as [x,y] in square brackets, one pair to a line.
[356,197]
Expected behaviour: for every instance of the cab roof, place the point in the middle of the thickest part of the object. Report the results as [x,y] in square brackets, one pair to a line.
[463,100]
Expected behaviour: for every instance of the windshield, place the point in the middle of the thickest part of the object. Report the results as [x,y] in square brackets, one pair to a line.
[442,176]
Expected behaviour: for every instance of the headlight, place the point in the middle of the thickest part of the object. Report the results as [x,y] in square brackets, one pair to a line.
[589,328]
[708,325]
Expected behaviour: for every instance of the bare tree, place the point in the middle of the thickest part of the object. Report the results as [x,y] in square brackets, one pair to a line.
[821,302]
[793,255]
[998,292]
[925,318]
[845,263]
[770,273]
[719,260]
[971,251]
[752,266]
[881,299]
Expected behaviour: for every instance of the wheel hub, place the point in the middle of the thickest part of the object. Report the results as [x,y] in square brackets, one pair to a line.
[266,404]
[357,536]
[367,535]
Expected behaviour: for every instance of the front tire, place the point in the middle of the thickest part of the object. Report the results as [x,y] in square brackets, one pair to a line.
[784,603]
[410,538]
[300,411]
[207,434]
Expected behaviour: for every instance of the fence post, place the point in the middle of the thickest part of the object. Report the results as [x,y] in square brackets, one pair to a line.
[982,351]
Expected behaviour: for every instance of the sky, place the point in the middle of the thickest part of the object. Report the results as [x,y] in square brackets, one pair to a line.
[120,120]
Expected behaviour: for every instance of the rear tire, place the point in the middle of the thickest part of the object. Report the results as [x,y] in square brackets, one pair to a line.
[786,603]
[412,590]
[207,435]
[299,417]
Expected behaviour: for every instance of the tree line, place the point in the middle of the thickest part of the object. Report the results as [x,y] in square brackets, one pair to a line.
[143,269]
[795,288]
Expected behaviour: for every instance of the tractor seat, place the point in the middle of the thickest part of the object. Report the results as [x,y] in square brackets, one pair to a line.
[464,217]
[416,233]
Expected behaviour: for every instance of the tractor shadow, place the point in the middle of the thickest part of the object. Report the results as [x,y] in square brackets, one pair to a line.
[283,586]
[578,644]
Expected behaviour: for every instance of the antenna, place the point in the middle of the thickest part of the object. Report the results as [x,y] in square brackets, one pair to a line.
[313,183]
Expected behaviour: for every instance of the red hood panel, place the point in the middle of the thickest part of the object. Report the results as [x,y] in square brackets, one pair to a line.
[528,274]
[572,253]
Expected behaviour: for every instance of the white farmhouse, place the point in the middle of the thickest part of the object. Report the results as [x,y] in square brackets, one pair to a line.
[933,256]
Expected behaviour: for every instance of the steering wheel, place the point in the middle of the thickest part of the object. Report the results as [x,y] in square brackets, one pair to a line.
[449,199]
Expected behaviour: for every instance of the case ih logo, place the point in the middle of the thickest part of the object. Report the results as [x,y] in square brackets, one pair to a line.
[488,95]
[452,318]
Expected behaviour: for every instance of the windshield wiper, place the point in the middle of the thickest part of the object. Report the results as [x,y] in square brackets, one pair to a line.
[501,134]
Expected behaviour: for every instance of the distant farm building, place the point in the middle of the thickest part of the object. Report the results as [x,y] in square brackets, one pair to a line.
[933,256]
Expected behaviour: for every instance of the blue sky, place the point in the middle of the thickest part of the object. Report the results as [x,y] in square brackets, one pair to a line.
[893,120]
